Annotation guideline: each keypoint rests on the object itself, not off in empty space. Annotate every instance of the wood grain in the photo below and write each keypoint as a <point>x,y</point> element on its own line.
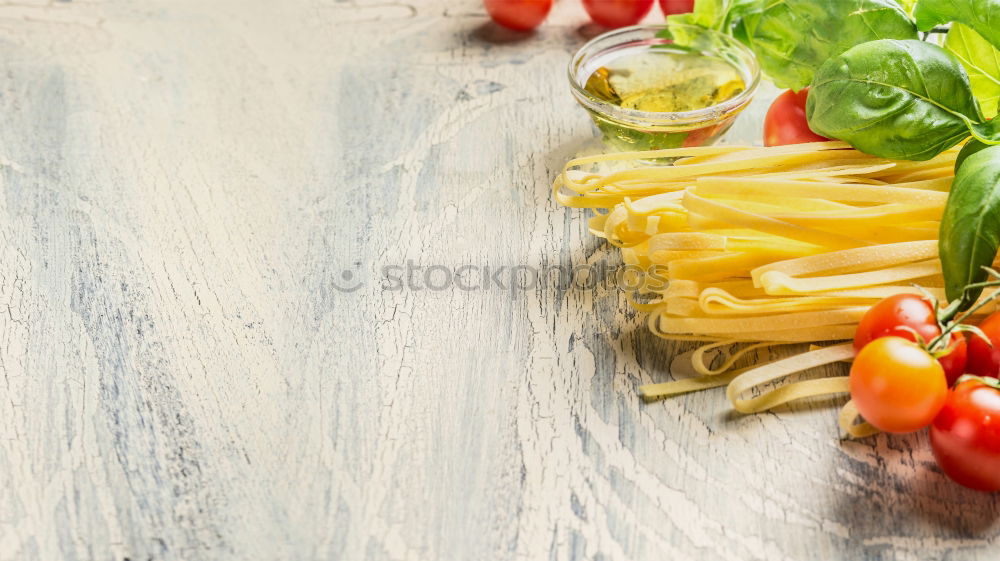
<point>188,188</point>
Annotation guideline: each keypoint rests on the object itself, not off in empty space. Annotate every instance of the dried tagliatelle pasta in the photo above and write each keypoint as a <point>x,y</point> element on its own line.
<point>746,248</point>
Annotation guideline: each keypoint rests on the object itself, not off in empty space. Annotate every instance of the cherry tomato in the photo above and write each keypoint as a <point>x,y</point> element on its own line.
<point>984,360</point>
<point>519,15</point>
<point>955,357</point>
<point>965,435</point>
<point>785,122</point>
<point>671,7</point>
<point>896,385</point>
<point>617,13</point>
<point>899,316</point>
<point>700,137</point>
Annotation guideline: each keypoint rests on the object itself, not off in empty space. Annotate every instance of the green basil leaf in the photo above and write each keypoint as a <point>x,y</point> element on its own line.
<point>970,227</point>
<point>740,31</point>
<point>792,38</point>
<point>907,100</point>
<point>971,147</point>
<point>981,60</point>
<point>981,15</point>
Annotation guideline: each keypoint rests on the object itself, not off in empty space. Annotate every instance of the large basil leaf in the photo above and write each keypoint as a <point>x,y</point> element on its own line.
<point>906,100</point>
<point>981,60</point>
<point>792,38</point>
<point>981,15</point>
<point>970,227</point>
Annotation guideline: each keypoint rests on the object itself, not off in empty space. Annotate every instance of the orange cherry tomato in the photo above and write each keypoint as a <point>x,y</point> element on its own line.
<point>896,385</point>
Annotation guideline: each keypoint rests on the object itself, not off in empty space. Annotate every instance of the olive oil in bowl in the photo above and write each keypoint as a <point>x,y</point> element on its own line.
<point>665,81</point>
<point>646,93</point>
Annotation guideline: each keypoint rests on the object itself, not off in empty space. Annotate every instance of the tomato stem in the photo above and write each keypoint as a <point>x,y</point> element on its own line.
<point>946,315</point>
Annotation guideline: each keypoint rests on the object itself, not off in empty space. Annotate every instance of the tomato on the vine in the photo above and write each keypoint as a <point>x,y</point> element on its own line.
<point>617,13</point>
<point>954,358</point>
<point>671,7</point>
<point>785,122</point>
<point>984,358</point>
<point>896,385</point>
<point>519,15</point>
<point>902,315</point>
<point>907,316</point>
<point>965,436</point>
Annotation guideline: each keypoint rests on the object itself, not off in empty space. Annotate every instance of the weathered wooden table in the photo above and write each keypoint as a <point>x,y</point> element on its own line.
<point>256,302</point>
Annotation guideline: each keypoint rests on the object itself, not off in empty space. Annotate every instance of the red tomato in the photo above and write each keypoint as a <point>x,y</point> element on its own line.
<point>617,13</point>
<point>699,137</point>
<point>896,385</point>
<point>519,15</point>
<point>965,435</point>
<point>984,360</point>
<point>899,316</point>
<point>785,122</point>
<point>955,360</point>
<point>671,7</point>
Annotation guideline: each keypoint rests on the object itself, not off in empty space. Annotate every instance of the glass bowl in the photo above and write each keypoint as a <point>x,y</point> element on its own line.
<point>631,129</point>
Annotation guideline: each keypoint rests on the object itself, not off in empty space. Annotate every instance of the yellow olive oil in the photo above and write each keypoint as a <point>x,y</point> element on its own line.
<point>663,80</point>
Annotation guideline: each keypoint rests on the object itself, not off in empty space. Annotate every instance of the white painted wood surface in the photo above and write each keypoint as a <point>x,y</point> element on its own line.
<point>186,184</point>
